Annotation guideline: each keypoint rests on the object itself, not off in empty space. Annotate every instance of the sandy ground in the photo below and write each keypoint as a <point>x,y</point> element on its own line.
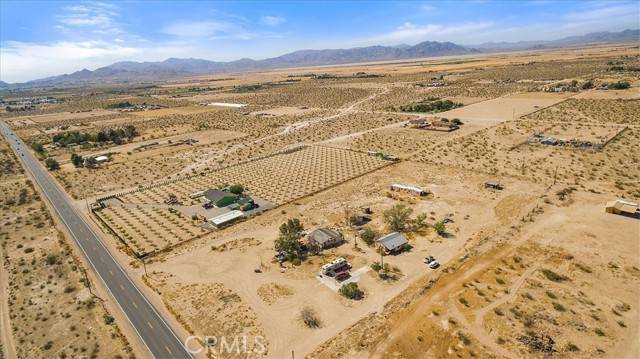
<point>505,108</point>
<point>234,268</point>
<point>559,231</point>
<point>8,344</point>
<point>497,246</point>
<point>609,94</point>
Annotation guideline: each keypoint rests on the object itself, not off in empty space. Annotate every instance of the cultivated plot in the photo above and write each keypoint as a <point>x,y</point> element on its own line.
<point>278,179</point>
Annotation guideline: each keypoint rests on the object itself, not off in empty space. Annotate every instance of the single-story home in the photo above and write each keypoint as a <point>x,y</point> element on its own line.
<point>225,218</point>
<point>392,242</point>
<point>417,191</point>
<point>220,198</point>
<point>622,207</point>
<point>324,238</point>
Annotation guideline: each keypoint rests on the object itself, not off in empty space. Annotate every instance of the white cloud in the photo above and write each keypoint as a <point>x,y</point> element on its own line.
<point>427,8</point>
<point>22,61</point>
<point>96,17</point>
<point>207,29</point>
<point>412,33</point>
<point>272,20</point>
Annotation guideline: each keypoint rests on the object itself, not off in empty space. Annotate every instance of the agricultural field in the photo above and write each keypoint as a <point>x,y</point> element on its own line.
<point>512,206</point>
<point>278,179</point>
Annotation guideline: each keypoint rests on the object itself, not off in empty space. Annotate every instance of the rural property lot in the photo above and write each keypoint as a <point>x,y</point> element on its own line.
<point>278,179</point>
<point>504,108</point>
<point>531,264</point>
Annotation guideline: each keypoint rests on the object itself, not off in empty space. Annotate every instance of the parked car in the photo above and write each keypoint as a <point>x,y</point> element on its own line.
<point>434,265</point>
<point>341,276</point>
<point>428,259</point>
<point>280,257</point>
<point>207,205</point>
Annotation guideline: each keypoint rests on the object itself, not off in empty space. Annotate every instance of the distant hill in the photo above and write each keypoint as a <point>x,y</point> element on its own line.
<point>594,37</point>
<point>143,72</point>
<point>137,72</point>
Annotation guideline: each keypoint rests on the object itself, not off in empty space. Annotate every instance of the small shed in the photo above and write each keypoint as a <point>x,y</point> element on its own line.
<point>324,238</point>
<point>622,207</point>
<point>225,218</point>
<point>102,158</point>
<point>392,242</point>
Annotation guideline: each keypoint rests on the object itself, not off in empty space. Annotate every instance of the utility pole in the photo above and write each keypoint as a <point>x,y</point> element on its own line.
<point>555,173</point>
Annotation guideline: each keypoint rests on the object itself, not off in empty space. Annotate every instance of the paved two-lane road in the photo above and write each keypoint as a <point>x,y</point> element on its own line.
<point>152,329</point>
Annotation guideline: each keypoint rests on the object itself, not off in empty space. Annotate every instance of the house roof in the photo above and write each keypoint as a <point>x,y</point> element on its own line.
<point>226,217</point>
<point>392,241</point>
<point>214,195</point>
<point>623,206</point>
<point>324,235</point>
<point>409,188</point>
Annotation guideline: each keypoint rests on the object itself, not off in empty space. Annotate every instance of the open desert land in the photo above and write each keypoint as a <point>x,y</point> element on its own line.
<point>47,310</point>
<point>527,270</point>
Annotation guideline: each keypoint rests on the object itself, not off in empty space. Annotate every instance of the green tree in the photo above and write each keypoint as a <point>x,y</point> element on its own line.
<point>236,189</point>
<point>587,85</point>
<point>420,221</point>
<point>77,160</point>
<point>288,241</point>
<point>440,228</point>
<point>397,217</point>
<point>38,148</point>
<point>51,164</point>
<point>368,235</point>
<point>90,162</point>
<point>351,291</point>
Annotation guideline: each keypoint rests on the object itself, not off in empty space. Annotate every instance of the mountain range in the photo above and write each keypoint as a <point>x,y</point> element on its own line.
<point>145,72</point>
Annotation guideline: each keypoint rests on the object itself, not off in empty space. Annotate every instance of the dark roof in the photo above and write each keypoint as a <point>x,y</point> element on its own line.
<point>392,241</point>
<point>214,195</point>
<point>323,236</point>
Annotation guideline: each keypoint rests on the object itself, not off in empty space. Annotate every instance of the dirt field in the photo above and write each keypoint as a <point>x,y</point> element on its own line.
<point>277,297</point>
<point>49,309</point>
<point>535,286</point>
<point>526,271</point>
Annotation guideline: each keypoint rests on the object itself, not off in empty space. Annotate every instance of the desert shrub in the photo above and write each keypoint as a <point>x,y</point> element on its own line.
<point>310,317</point>
<point>559,307</point>
<point>553,276</point>
<point>51,164</point>
<point>584,268</point>
<point>51,259</point>
<point>572,347</point>
<point>351,291</point>
<point>440,228</point>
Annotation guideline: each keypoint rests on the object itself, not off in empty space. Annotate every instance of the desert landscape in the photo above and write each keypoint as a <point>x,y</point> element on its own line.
<point>477,206</point>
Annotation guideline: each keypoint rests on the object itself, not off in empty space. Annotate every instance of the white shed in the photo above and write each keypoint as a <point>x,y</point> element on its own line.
<point>225,218</point>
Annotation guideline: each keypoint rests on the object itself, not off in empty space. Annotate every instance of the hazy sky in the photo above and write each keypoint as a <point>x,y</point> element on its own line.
<point>40,39</point>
